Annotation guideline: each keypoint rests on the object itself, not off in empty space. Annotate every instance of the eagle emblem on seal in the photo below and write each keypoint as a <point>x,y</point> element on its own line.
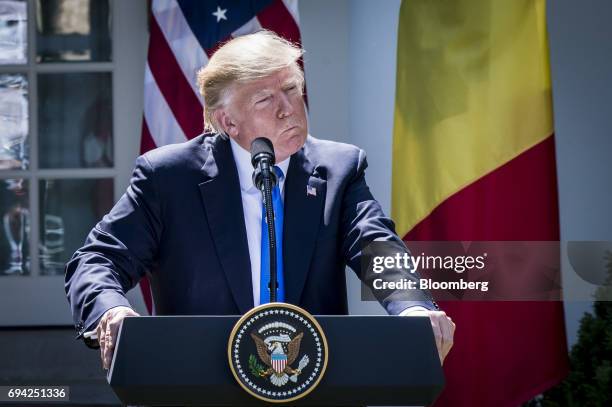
<point>278,353</point>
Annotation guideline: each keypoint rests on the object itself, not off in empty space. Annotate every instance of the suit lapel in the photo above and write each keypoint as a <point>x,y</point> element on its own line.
<point>303,204</point>
<point>223,205</point>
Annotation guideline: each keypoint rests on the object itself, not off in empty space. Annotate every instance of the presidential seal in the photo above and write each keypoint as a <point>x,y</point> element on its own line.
<point>277,352</point>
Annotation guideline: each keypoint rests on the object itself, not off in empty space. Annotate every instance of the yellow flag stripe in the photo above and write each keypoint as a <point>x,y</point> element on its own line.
<point>473,92</point>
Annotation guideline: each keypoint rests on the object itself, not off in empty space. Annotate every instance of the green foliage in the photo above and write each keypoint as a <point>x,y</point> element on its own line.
<point>255,367</point>
<point>589,383</point>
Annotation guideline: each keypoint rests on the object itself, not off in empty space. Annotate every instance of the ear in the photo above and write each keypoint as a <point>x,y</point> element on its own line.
<point>225,121</point>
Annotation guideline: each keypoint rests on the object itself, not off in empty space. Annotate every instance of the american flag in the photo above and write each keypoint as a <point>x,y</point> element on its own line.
<point>311,191</point>
<point>183,36</point>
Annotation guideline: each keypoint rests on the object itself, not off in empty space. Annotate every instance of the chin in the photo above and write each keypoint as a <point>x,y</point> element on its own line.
<point>297,142</point>
<point>290,144</point>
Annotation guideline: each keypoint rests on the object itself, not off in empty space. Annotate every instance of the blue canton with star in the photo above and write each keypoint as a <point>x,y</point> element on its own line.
<point>214,21</point>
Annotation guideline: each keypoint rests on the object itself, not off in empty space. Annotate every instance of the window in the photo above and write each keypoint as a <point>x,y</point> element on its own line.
<point>59,172</point>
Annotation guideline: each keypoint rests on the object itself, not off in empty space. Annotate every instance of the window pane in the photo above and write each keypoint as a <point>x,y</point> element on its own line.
<point>75,120</point>
<point>13,121</point>
<point>73,30</point>
<point>15,227</point>
<point>13,31</point>
<point>69,209</point>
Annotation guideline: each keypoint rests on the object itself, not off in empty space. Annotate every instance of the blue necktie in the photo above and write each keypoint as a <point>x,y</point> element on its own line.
<point>264,290</point>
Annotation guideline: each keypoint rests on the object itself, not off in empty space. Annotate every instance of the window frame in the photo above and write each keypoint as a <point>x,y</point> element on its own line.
<point>36,299</point>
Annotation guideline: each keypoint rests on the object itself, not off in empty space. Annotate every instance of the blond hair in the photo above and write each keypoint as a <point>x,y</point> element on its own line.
<point>240,60</point>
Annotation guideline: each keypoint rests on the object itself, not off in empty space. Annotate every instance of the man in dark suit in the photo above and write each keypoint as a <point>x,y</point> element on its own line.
<point>191,216</point>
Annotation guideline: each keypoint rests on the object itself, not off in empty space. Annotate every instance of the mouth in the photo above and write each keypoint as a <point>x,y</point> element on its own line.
<point>289,128</point>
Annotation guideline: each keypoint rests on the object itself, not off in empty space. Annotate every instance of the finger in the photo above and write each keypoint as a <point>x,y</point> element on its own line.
<point>447,327</point>
<point>112,333</point>
<point>132,313</point>
<point>114,330</point>
<point>103,348</point>
<point>101,328</point>
<point>437,335</point>
<point>107,350</point>
<point>440,325</point>
<point>447,334</point>
<point>102,354</point>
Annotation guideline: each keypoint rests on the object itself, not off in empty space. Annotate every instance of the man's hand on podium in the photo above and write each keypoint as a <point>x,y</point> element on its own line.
<point>443,329</point>
<point>107,331</point>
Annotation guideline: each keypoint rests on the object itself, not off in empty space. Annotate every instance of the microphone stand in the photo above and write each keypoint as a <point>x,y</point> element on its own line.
<point>268,182</point>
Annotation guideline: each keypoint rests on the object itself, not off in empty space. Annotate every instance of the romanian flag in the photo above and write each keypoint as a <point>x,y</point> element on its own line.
<point>474,159</point>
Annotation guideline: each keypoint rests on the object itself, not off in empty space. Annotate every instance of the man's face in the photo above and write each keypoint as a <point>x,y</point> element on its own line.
<point>270,107</point>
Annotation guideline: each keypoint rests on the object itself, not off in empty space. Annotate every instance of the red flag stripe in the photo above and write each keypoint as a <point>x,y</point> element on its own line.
<point>146,141</point>
<point>277,18</point>
<point>172,83</point>
<point>517,201</point>
<point>293,9</point>
<point>184,45</point>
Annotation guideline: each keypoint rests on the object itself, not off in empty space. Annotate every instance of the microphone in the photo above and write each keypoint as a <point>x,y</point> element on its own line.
<point>262,158</point>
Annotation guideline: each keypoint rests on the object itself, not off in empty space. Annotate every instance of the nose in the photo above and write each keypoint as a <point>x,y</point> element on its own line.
<point>285,108</point>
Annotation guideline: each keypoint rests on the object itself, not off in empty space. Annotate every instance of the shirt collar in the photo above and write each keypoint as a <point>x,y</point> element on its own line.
<point>245,169</point>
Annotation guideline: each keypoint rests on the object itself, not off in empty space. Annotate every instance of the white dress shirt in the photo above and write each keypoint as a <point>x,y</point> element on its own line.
<point>252,208</point>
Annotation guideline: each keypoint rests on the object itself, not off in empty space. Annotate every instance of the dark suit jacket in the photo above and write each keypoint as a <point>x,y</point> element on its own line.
<point>181,219</point>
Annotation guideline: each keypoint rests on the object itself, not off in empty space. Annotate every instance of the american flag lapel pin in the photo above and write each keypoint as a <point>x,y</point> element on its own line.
<point>311,191</point>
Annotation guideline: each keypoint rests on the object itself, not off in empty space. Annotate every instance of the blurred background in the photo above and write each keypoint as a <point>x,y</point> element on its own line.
<point>72,76</point>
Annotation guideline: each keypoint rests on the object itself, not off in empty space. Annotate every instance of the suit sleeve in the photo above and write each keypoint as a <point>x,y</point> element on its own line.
<point>117,252</point>
<point>363,222</point>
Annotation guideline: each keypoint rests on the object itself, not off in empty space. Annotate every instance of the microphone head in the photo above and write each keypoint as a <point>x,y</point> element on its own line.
<point>262,147</point>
